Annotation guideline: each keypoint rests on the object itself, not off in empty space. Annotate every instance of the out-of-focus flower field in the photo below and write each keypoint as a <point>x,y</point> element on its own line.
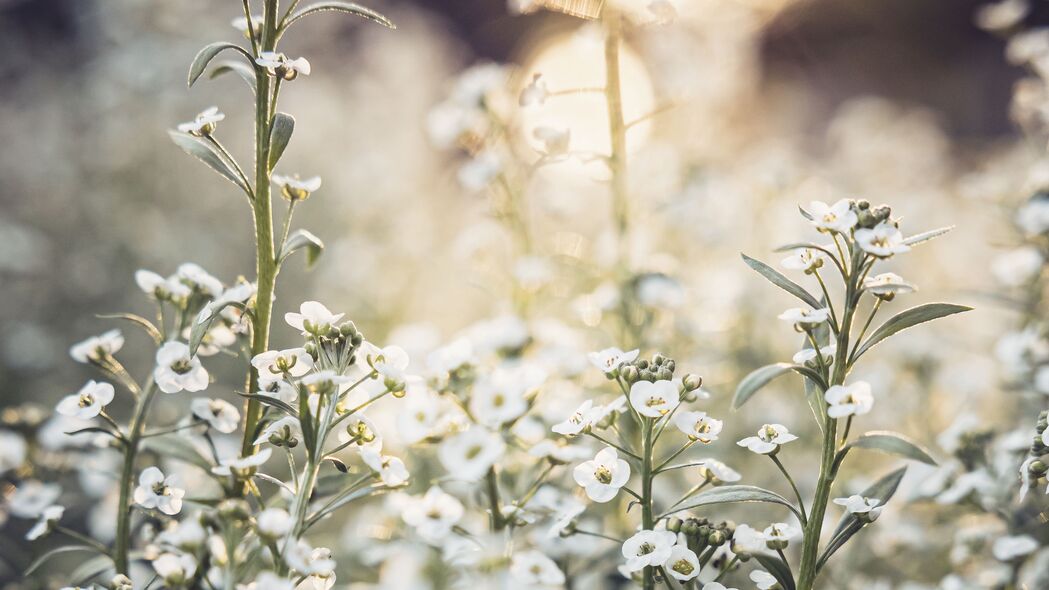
<point>491,216</point>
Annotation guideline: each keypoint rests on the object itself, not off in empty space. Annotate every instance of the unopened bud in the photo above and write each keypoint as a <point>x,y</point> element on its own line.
<point>121,582</point>
<point>716,538</point>
<point>234,509</point>
<point>692,382</point>
<point>674,525</point>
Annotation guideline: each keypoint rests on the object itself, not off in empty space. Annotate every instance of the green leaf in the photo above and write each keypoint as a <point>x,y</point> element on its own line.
<point>906,319</point>
<point>208,53</point>
<point>280,135</point>
<point>335,6</point>
<point>302,239</point>
<point>339,501</point>
<point>736,493</point>
<point>776,278</point>
<point>177,448</point>
<point>39,561</point>
<point>271,401</point>
<point>893,443</point>
<point>244,71</point>
<point>203,321</point>
<point>92,568</point>
<point>759,378</point>
<point>849,525</point>
<point>138,320</point>
<point>778,568</point>
<point>926,236</point>
<point>199,149</point>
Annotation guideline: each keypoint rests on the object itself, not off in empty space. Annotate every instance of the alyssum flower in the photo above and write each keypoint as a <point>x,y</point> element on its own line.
<point>603,475</point>
<point>88,402</point>
<point>849,400</point>
<point>768,439</point>
<point>97,348</point>
<point>204,124</point>
<point>157,491</point>
<point>281,66</point>
<point>654,399</point>
<point>176,370</point>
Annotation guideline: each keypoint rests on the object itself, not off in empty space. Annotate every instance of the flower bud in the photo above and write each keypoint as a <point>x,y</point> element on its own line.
<point>690,527</point>
<point>717,539</point>
<point>658,359</point>
<point>691,382</point>
<point>674,525</point>
<point>234,509</point>
<point>121,582</point>
<point>630,374</point>
<point>1037,468</point>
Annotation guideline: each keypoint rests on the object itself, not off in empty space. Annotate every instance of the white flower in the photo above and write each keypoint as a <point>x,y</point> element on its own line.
<point>780,532</point>
<point>555,141</point>
<point>768,440</point>
<point>887,285</point>
<point>682,565</point>
<point>535,93</point>
<point>654,399</point>
<point>283,430</point>
<point>96,348</point>
<point>603,475</point>
<point>748,540</point>
<point>805,259</point>
<point>278,64</point>
<point>715,470</point>
<point>176,370</point>
<point>860,506</point>
<point>716,586</point>
<point>807,355</point>
<point>156,491</point>
<point>849,400</point>
<point>175,569</point>
<point>268,581</point>
<point>1009,548</point>
<point>479,171</point>
<point>295,189</point>
<point>763,579</point>
<point>391,362</point>
<point>609,359</point>
<point>274,523</point>
<point>580,420</point>
<point>1002,15</point>
<point>390,469</point>
<point>648,548</point>
<point>1033,217</point>
<point>48,519</point>
<point>805,317</point>
<point>838,217</point>
<point>88,402</point>
<point>362,432</point>
<point>273,364</point>
<point>242,466</point>
<point>470,454</point>
<point>883,241</point>
<point>194,276</point>
<point>1018,267</point>
<point>698,426</point>
<point>324,381</point>
<point>32,497</point>
<point>434,514</point>
<point>313,318</point>
<point>532,568</point>
<point>502,396</point>
<point>13,450</point>
<point>309,561</point>
<point>219,414</point>
<point>241,23</point>
<point>204,123</point>
<point>160,288</point>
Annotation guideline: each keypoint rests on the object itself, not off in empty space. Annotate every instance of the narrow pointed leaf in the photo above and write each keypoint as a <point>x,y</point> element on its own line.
<point>759,378</point>
<point>777,278</point>
<point>849,525</point>
<point>907,319</point>
<point>91,569</point>
<point>268,400</point>
<point>139,321</point>
<point>280,135</point>
<point>203,321</point>
<point>303,240</point>
<point>177,448</point>
<point>926,236</point>
<point>893,443</point>
<point>736,493</point>
<point>242,70</point>
<point>336,6</point>
<point>778,569</point>
<point>208,53</point>
<point>200,150</point>
<point>39,561</point>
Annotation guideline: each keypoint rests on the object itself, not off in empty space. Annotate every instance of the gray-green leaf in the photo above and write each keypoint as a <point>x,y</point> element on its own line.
<point>736,493</point>
<point>139,321</point>
<point>336,6</point>
<point>894,443</point>
<point>244,71</point>
<point>926,236</point>
<point>759,378</point>
<point>280,135</point>
<point>906,319</point>
<point>39,561</point>
<point>883,490</point>
<point>199,149</point>
<point>208,53</point>
<point>778,568</point>
<point>202,322</point>
<point>177,448</point>
<point>777,278</point>
<point>302,239</point>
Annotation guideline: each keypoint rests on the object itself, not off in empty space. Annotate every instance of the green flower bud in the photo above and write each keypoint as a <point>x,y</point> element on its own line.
<point>674,525</point>
<point>121,582</point>
<point>692,382</point>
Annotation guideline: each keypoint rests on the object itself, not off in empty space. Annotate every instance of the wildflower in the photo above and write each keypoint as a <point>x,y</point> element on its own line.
<point>13,450</point>
<point>160,288</point>
<point>866,509</point>
<point>768,440</point>
<point>718,472</point>
<point>1002,15</point>
<point>198,279</point>
<point>47,521</point>
<point>764,580</point>
<point>295,362</point>
<point>535,93</point>
<point>555,141</point>
<point>278,64</point>
<point>1009,548</point>
<point>779,534</point>
<point>88,402</point>
<point>882,241</point>
<point>503,396</point>
<point>240,23</point>
<point>805,259</point>
<point>887,285</point>
<point>434,514</point>
<point>361,431</point>
<point>294,189</point>
<point>849,400</point>
<point>204,124</point>
<point>580,420</point>
<point>698,426</point>
<point>803,318</point>
<point>839,217</point>
<point>610,359</point>
<point>219,414</point>
<point>97,348</point>
<point>482,169</point>
<point>159,492</point>
<point>532,568</point>
<point>31,498</point>
<point>808,355</point>
<point>268,581</point>
<point>313,318</point>
<point>682,565</point>
<point>470,454</point>
<point>1018,267</point>
<point>242,467</point>
<point>176,370</point>
<point>187,535</point>
<point>390,469</point>
<point>176,569</point>
<point>654,399</point>
<point>283,432</point>
<point>746,539</point>
<point>390,363</point>
<point>648,548</point>
<point>602,476</point>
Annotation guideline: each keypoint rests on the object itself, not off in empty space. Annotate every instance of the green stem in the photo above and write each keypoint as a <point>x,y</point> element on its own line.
<point>617,130</point>
<point>793,486</point>
<point>648,522</point>
<point>127,479</point>
<point>492,481</point>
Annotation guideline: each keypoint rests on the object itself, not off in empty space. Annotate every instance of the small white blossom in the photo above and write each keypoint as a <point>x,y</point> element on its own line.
<point>555,141</point>
<point>313,318</point>
<point>242,466</point>
<point>278,64</point>
<point>558,453</point>
<point>390,469</point>
<point>838,217</point>
<point>764,580</point>
<point>682,565</point>
<point>88,402</point>
<point>31,498</point>
<point>698,426</point>
<point>196,278</point>
<point>580,420</point>
<point>219,414</point>
<point>96,348</point>
<point>159,492</point>
<point>805,259</point>
<point>807,355</point>
<point>274,523</point>
<point>715,470</point>
<point>609,359</point>
<point>768,439</point>
<point>284,429</point>
<point>535,93</point>
<point>503,395</point>
<point>309,561</point>
<point>470,454</point>
<point>888,285</point>
<point>648,548</point>
<point>434,514</point>
<point>532,569</point>
<point>746,539</point>
<point>48,519</point>
<point>1002,15</point>
<point>204,123</point>
<point>780,532</point>
<point>805,317</point>
<point>1011,547</point>
<point>294,188</point>
<point>654,399</point>
<point>860,505</point>
<point>883,241</point>
<point>175,569</point>
<point>161,288</point>
<point>176,370</point>
<point>849,400</point>
<point>602,476</point>
<point>273,364</point>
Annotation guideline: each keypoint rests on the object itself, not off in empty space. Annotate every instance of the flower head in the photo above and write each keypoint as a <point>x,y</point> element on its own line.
<point>157,491</point>
<point>648,548</point>
<point>603,475</point>
<point>281,66</point>
<point>313,318</point>
<point>764,580</point>
<point>88,402</point>
<point>609,359</point>
<point>805,259</point>
<point>883,240</point>
<point>176,569</point>
<point>654,399</point>
<point>219,414</point>
<point>808,355</point>
<point>176,370</point>
<point>160,288</point>
<point>849,400</point>
<point>46,522</point>
<point>204,124</point>
<point>273,364</point>
<point>698,426</point>
<point>682,565</point>
<point>768,439</point>
<point>390,470</point>
<point>887,286</point>
<point>434,514</point>
<point>532,568</point>
<point>96,348</point>
<point>274,523</point>
<point>838,217</point>
<point>469,454</point>
<point>866,509</point>
<point>294,189</point>
<point>805,317</point>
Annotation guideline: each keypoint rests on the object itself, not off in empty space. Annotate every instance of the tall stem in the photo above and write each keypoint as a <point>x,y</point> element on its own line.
<point>265,260</point>
<point>127,479</point>
<point>617,132</point>
<point>647,520</point>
